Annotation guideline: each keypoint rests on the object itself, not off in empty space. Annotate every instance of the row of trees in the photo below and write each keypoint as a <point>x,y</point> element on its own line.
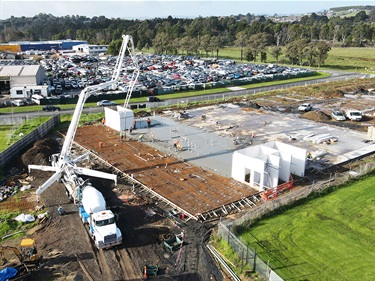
<point>204,36</point>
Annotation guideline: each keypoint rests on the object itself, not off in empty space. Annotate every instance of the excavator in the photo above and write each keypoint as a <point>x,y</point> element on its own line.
<point>27,255</point>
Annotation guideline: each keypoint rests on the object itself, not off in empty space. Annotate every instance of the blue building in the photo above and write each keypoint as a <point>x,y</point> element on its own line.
<point>48,45</point>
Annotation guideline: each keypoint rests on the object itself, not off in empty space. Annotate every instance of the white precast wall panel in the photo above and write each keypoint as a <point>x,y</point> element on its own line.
<point>285,163</point>
<point>112,118</point>
<point>272,169</point>
<point>126,117</point>
<point>298,158</point>
<point>238,166</point>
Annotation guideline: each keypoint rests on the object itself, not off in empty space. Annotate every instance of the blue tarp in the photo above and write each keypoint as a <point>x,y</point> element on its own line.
<point>7,273</point>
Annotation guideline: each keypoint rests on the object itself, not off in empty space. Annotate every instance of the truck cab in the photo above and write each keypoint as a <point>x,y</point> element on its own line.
<point>354,115</point>
<point>105,230</point>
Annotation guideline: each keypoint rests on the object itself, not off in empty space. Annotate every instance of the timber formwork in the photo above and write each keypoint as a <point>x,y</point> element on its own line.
<point>198,193</point>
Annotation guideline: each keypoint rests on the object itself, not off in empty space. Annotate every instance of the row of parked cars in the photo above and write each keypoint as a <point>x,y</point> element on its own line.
<point>337,114</point>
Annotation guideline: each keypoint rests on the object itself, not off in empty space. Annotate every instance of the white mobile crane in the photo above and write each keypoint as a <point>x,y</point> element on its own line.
<point>66,169</point>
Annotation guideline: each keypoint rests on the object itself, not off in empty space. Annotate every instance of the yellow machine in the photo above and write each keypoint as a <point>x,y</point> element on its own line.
<point>28,253</point>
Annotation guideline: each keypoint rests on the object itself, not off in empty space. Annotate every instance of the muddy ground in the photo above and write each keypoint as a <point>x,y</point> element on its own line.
<point>69,253</point>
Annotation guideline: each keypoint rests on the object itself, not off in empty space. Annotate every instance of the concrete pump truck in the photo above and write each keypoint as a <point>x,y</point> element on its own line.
<point>91,203</point>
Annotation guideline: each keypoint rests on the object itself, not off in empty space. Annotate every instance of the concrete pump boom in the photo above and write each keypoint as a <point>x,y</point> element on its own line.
<point>62,164</point>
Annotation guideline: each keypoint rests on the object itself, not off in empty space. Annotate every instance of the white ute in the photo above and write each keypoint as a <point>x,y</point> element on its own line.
<point>354,115</point>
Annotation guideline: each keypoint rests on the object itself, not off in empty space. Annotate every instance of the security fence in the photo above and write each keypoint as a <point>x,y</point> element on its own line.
<point>247,254</point>
<point>20,145</point>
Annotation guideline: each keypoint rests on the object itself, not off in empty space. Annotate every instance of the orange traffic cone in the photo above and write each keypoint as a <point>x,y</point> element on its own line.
<point>145,272</point>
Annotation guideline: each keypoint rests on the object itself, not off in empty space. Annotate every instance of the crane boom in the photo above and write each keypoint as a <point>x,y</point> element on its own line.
<point>62,164</point>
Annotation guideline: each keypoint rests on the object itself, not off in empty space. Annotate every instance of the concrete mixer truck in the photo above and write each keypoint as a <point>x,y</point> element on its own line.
<point>101,222</point>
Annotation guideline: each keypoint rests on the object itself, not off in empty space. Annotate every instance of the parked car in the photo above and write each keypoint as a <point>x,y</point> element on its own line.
<point>105,103</point>
<point>153,99</point>
<point>51,108</point>
<point>305,107</point>
<point>354,115</point>
<point>338,115</point>
<point>18,102</point>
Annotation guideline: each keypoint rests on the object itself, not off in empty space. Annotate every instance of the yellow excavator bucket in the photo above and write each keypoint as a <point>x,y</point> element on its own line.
<point>27,242</point>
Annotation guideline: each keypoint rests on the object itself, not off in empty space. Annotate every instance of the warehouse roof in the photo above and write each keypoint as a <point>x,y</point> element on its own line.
<point>19,70</point>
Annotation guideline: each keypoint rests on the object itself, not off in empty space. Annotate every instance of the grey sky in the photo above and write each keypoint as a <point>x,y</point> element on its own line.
<point>140,9</point>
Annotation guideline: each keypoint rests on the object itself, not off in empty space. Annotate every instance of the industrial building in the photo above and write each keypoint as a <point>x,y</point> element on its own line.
<point>21,76</point>
<point>23,46</point>
<point>90,49</point>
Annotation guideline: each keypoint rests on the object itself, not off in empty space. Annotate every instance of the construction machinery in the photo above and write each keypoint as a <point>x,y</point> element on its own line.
<point>28,253</point>
<point>28,257</point>
<point>65,168</point>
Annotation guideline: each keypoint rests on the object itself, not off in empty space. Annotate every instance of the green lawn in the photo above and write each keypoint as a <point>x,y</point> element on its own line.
<point>4,131</point>
<point>328,238</point>
<point>347,59</point>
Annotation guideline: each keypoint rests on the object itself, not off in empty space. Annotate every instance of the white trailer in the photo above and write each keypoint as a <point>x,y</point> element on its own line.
<point>26,92</point>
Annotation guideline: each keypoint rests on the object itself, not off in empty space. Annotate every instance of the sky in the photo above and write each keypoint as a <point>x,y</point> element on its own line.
<point>147,9</point>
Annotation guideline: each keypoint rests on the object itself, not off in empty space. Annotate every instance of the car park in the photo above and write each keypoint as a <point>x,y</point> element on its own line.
<point>305,107</point>
<point>105,103</point>
<point>338,115</point>
<point>51,108</point>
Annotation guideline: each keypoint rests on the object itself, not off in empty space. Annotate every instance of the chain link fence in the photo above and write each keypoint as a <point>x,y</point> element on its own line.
<point>247,254</point>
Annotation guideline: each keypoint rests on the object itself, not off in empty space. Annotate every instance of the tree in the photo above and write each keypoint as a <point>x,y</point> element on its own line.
<point>275,51</point>
<point>205,45</point>
<point>241,38</point>
<point>258,43</point>
<point>295,51</point>
<point>263,57</point>
<point>322,50</point>
<point>310,53</point>
<point>160,42</point>
<point>114,47</point>
<point>216,44</point>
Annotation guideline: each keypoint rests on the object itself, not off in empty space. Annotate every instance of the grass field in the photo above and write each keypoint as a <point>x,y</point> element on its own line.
<point>328,238</point>
<point>348,59</point>
<point>4,131</point>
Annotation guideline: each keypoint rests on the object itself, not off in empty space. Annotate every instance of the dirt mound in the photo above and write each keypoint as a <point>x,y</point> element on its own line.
<point>41,151</point>
<point>318,116</point>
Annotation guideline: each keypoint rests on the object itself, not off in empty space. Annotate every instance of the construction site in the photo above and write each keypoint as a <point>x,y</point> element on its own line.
<point>133,197</point>
<point>174,183</point>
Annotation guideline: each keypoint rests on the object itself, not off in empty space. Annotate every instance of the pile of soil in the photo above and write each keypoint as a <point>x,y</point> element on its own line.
<point>318,116</point>
<point>40,152</point>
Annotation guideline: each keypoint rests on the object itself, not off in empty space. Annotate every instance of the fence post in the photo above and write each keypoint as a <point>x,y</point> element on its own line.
<point>255,261</point>
<point>242,258</point>
<point>228,235</point>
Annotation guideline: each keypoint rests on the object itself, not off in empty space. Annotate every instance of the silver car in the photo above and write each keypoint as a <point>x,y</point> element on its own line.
<point>338,115</point>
